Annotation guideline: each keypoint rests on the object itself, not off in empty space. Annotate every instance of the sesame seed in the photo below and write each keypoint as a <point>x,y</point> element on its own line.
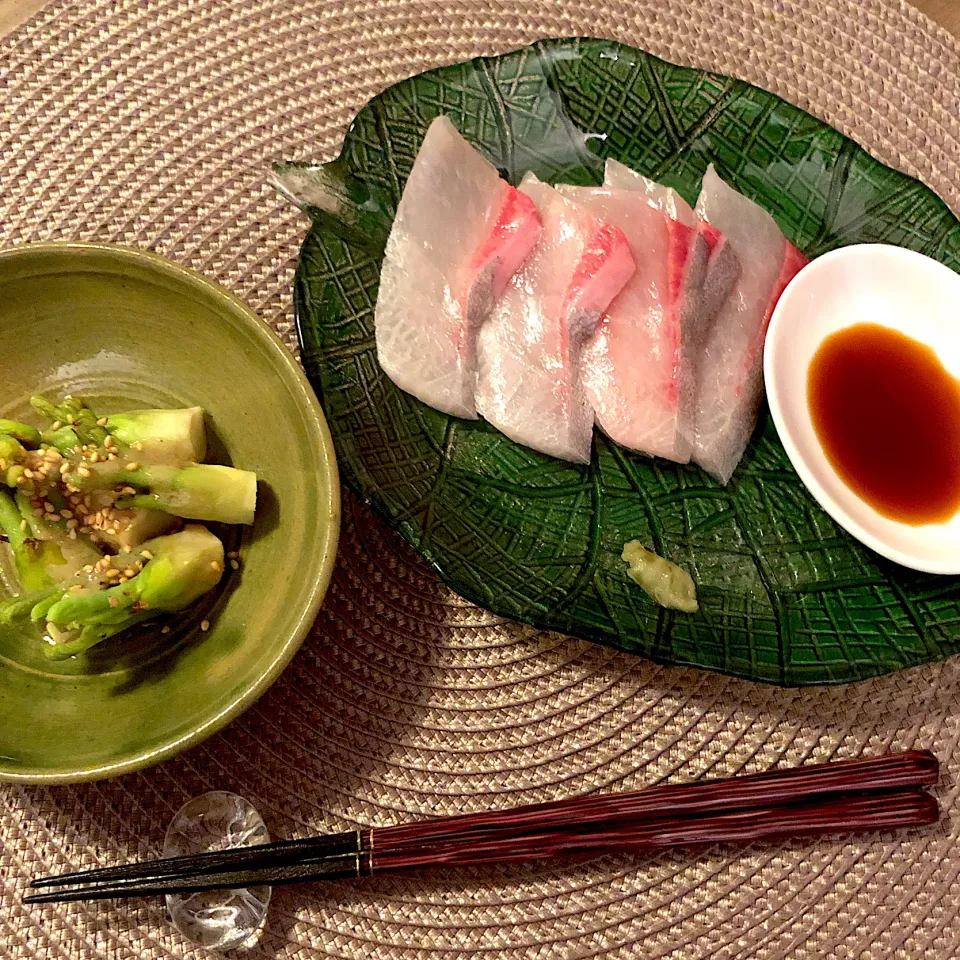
<point>216,565</point>
<point>102,422</point>
<point>71,524</point>
<point>133,466</point>
<point>66,514</point>
<point>114,602</point>
<point>84,471</point>
<point>113,455</point>
<point>129,572</point>
<point>108,440</point>
<point>23,524</point>
<point>64,468</point>
<point>232,554</point>
<point>49,507</point>
<point>205,626</point>
<point>129,491</point>
<point>165,630</point>
<point>138,445</point>
<point>72,534</point>
<point>234,564</point>
<point>124,579</point>
<point>146,554</point>
<point>57,424</point>
<point>28,473</point>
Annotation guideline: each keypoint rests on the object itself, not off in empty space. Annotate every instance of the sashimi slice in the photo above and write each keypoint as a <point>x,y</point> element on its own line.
<point>621,177</point>
<point>459,234</point>
<point>729,375</point>
<point>529,350</point>
<point>723,268</point>
<point>723,272</point>
<point>635,369</point>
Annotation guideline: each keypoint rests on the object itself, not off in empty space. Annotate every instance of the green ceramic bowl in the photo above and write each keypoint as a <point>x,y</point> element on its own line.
<point>128,329</point>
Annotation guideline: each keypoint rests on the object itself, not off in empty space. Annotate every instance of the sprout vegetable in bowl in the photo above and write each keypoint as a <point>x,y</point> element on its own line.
<point>223,381</point>
<point>82,508</point>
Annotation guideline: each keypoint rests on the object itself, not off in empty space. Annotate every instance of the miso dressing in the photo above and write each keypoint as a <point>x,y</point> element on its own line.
<point>887,413</point>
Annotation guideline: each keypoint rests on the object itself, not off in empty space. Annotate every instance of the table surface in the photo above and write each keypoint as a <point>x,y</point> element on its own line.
<point>944,12</point>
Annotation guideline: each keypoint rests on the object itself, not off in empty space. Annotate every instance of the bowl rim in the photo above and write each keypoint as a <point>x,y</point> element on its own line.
<point>322,442</point>
<point>800,461</point>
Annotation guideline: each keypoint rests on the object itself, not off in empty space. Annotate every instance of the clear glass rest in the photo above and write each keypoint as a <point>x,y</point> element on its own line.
<point>218,919</point>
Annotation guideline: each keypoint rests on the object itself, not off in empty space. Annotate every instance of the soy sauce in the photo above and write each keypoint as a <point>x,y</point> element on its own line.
<point>887,413</point>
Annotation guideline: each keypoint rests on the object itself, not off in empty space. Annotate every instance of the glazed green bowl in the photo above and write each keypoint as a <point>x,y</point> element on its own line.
<point>123,329</point>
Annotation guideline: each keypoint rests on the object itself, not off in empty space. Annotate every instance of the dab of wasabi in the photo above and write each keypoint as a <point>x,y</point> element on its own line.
<point>665,582</point>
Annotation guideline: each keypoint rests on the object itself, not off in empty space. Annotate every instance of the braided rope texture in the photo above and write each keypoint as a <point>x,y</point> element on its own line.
<point>152,123</point>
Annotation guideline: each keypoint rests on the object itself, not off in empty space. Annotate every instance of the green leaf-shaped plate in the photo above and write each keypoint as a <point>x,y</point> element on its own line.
<point>786,596</point>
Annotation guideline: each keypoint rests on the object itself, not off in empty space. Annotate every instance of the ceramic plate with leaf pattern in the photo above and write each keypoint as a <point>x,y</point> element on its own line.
<point>786,596</point>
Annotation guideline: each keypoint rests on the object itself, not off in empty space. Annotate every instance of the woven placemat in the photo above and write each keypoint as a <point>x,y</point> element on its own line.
<point>153,123</point>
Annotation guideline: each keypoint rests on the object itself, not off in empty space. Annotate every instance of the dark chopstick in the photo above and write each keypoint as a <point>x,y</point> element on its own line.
<point>866,812</point>
<point>281,851</point>
<point>908,768</point>
<point>357,852</point>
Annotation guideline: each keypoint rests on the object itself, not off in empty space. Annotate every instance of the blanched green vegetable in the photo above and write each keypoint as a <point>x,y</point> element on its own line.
<point>121,482</point>
<point>181,568</point>
<point>74,413</point>
<point>162,436</point>
<point>32,557</point>
<point>77,551</point>
<point>44,553</point>
<point>27,435</point>
<point>135,527</point>
<point>197,491</point>
<point>669,585</point>
<point>11,450</point>
<point>64,439</point>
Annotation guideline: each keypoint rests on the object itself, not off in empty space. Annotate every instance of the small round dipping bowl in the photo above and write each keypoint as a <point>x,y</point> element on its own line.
<point>866,283</point>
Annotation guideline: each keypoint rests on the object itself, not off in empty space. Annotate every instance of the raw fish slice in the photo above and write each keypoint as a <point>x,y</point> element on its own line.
<point>634,370</point>
<point>621,177</point>
<point>729,374</point>
<point>459,234</point>
<point>529,350</point>
<point>723,269</point>
<point>515,231</point>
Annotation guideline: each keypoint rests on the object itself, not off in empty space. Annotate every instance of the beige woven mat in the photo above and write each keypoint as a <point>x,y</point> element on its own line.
<point>153,123</point>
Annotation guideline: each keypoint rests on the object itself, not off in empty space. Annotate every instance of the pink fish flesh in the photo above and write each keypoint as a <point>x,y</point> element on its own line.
<point>528,385</point>
<point>723,268</point>
<point>635,370</point>
<point>459,235</point>
<point>729,370</point>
